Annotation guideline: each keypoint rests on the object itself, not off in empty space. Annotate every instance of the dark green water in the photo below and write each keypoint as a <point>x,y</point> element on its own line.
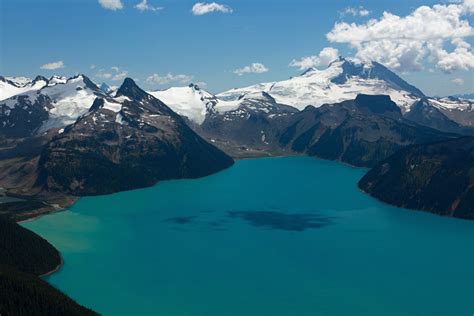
<point>283,236</point>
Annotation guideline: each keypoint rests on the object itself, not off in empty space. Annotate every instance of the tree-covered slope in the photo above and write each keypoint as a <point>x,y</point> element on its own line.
<point>436,177</point>
<point>23,257</point>
<point>26,294</point>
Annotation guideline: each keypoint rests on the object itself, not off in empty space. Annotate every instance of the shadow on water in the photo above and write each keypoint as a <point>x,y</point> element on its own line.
<point>283,221</point>
<point>181,219</point>
<point>296,222</point>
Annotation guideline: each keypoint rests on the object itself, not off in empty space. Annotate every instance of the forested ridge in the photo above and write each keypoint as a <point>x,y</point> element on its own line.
<point>23,257</point>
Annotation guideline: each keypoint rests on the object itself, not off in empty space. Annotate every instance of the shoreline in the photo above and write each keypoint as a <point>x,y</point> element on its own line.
<point>35,217</point>
<point>56,269</point>
<point>50,208</point>
<point>405,208</point>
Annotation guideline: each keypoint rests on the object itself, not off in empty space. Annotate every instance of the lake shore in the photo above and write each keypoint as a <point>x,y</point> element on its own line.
<point>56,269</point>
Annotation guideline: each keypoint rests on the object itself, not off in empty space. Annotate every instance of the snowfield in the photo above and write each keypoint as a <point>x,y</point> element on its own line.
<point>13,86</point>
<point>193,102</point>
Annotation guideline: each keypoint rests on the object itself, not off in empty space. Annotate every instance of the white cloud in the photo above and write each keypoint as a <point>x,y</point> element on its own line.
<point>54,65</point>
<point>323,59</point>
<point>111,4</point>
<point>159,79</point>
<point>144,6</point>
<point>405,43</point>
<point>103,75</point>
<point>360,11</point>
<point>114,74</point>
<point>255,68</point>
<point>202,8</point>
<point>461,58</point>
<point>468,6</point>
<point>120,76</point>
<point>92,66</point>
<point>458,81</point>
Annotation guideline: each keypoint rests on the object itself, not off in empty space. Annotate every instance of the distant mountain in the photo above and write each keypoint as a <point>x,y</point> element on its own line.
<point>466,96</point>
<point>124,142</point>
<point>250,128</point>
<point>436,177</point>
<point>193,102</point>
<point>343,80</point>
<point>360,132</point>
<point>458,110</point>
<point>435,114</point>
<point>59,102</point>
<point>107,89</point>
<point>10,86</point>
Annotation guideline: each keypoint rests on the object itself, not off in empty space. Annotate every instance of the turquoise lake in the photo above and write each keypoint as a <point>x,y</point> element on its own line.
<point>279,236</point>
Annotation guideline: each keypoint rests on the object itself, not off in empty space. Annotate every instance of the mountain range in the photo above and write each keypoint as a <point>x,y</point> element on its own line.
<point>61,138</point>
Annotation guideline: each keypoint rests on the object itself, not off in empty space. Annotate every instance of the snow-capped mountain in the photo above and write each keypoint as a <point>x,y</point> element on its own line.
<point>124,142</point>
<point>452,103</point>
<point>59,102</point>
<point>54,80</point>
<point>10,86</point>
<point>252,123</point>
<point>343,80</point>
<point>107,89</point>
<point>193,102</point>
<point>465,96</point>
<point>198,105</point>
<point>455,109</point>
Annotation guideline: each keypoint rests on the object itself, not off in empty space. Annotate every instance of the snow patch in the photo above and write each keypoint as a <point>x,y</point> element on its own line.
<point>113,106</point>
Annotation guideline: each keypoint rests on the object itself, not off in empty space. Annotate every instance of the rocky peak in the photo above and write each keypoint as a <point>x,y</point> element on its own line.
<point>105,87</point>
<point>130,89</point>
<point>89,83</point>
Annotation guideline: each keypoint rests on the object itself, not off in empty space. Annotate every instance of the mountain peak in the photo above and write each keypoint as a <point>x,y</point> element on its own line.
<point>40,78</point>
<point>89,83</point>
<point>130,89</point>
<point>105,87</point>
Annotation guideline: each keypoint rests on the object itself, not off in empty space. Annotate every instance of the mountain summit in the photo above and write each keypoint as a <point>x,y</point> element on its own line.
<point>342,80</point>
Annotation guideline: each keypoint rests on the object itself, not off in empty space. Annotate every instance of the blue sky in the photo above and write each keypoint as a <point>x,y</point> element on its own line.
<point>178,46</point>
